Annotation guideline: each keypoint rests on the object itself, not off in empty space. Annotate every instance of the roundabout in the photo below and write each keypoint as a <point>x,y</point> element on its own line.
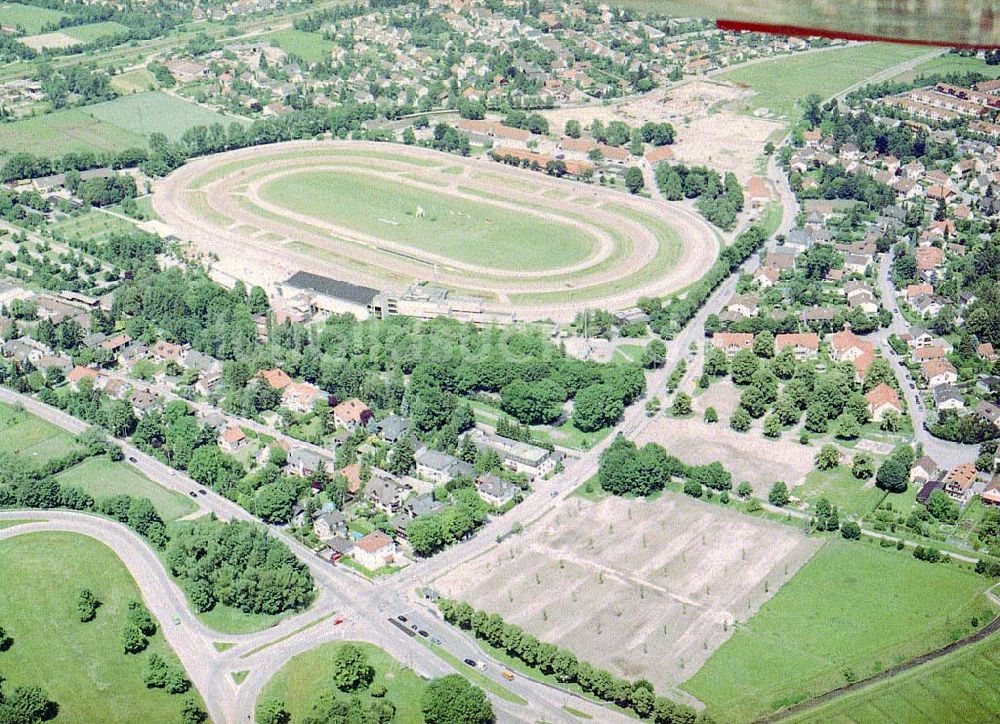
<point>386,215</point>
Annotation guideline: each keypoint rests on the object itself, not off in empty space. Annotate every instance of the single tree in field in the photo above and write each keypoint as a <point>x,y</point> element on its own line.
<point>682,405</point>
<point>828,458</point>
<point>86,605</point>
<point>633,179</point>
<point>892,476</point>
<point>778,495</point>
<point>453,700</point>
<point>351,670</point>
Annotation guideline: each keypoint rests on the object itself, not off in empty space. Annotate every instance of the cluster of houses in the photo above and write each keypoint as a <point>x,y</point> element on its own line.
<point>944,103</point>
<point>961,483</point>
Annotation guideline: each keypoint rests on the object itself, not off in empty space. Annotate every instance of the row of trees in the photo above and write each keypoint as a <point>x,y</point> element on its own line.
<point>719,199</point>
<point>626,469</point>
<point>639,696</point>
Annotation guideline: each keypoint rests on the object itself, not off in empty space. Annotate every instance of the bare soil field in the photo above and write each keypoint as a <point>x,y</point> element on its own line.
<point>748,456</point>
<point>644,589</point>
<point>50,40</point>
<point>707,133</point>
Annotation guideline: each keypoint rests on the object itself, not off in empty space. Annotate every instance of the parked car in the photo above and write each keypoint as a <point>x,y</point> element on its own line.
<point>423,633</point>
<point>414,627</point>
<point>202,491</point>
<point>132,460</point>
<point>471,662</point>
<point>509,675</point>
<point>401,618</point>
<point>193,494</point>
<point>435,640</point>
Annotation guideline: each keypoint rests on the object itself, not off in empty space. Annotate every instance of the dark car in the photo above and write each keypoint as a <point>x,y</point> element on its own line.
<point>423,633</point>
<point>414,627</point>
<point>193,494</point>
<point>471,662</point>
<point>401,618</point>
<point>132,460</point>
<point>202,491</point>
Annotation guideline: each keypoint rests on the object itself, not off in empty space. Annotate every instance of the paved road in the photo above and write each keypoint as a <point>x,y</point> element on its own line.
<point>946,454</point>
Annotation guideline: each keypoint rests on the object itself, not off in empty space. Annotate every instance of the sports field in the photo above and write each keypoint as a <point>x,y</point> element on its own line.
<point>782,82</point>
<point>80,665</point>
<point>102,478</point>
<point>961,687</point>
<point>384,215</point>
<point>29,18</point>
<point>853,610</point>
<point>301,681</point>
<point>311,47</point>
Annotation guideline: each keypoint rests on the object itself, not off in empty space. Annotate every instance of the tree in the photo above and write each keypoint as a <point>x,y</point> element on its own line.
<point>271,711</point>
<point>772,426</point>
<point>716,362</point>
<point>740,420</point>
<point>942,507</point>
<point>682,405</point>
<point>745,489</point>
<point>86,605</point>
<point>893,476</point>
<point>633,179</point>
<point>850,530</point>
<point>711,415</point>
<point>848,427</point>
<point>351,670</point>
<point>132,639</point>
<point>778,495</point>
<point>828,458</point>
<point>745,364</point>
<point>453,700</point>
<point>191,713</point>
<point>573,129</point>
<point>402,460</point>
<point>863,466</point>
<point>596,407</point>
<point>763,345</point>
<point>425,534</point>
<point>654,355</point>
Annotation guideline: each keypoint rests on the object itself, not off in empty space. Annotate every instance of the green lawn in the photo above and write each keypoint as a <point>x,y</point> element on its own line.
<point>102,478</point>
<point>134,81</point>
<point>94,31</point>
<point>28,18</point>
<point>783,81</point>
<point>841,489</point>
<point>852,608</point>
<point>156,112</point>
<point>66,131</point>
<point>311,47</point>
<point>30,437</point>
<point>960,687</point>
<point>299,682</point>
<point>950,63</point>
<point>80,665</point>
<point>466,230</point>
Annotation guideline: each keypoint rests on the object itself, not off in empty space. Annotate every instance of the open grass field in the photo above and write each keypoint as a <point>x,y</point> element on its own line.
<point>299,682</point>
<point>156,112</point>
<point>645,589</point>
<point>311,47</point>
<point>29,18</point>
<point>31,438</point>
<point>782,82</point>
<point>958,687</point>
<point>134,81</point>
<point>80,665</point>
<point>66,131</point>
<point>463,229</point>
<point>405,214</point>
<point>853,608</point>
<point>94,31</point>
<point>91,225</point>
<point>841,489</point>
<point>102,478</point>
<point>950,63</point>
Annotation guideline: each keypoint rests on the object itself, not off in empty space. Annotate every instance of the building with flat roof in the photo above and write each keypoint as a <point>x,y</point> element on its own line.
<point>425,301</point>
<point>328,296</point>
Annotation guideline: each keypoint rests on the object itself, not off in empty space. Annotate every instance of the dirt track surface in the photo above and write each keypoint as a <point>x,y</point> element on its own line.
<point>261,243</point>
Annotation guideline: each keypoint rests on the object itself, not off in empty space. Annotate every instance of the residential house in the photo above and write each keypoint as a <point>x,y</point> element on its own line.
<point>845,346</point>
<point>959,481</point>
<point>330,524</point>
<point>923,469</point>
<point>803,344</point>
<point>143,401</point>
<point>393,428</point>
<point>304,462</point>
<point>417,505</point>
<point>732,342</point>
<point>375,550</point>
<point>78,374</point>
<point>989,412</point>
<point>939,372</point>
<point>352,474</point>
<point>494,490</point>
<point>948,397</point>
<point>881,400</point>
<point>352,413</point>
<point>276,378</point>
<point>439,467</point>
<point>301,397</point>
<point>385,491</point>
<point>232,439</point>
<point>521,457</point>
<point>743,305</point>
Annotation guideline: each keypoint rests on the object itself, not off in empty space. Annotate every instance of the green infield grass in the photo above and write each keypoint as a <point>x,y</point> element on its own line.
<point>462,229</point>
<point>851,611</point>
<point>102,478</point>
<point>303,679</point>
<point>81,666</point>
